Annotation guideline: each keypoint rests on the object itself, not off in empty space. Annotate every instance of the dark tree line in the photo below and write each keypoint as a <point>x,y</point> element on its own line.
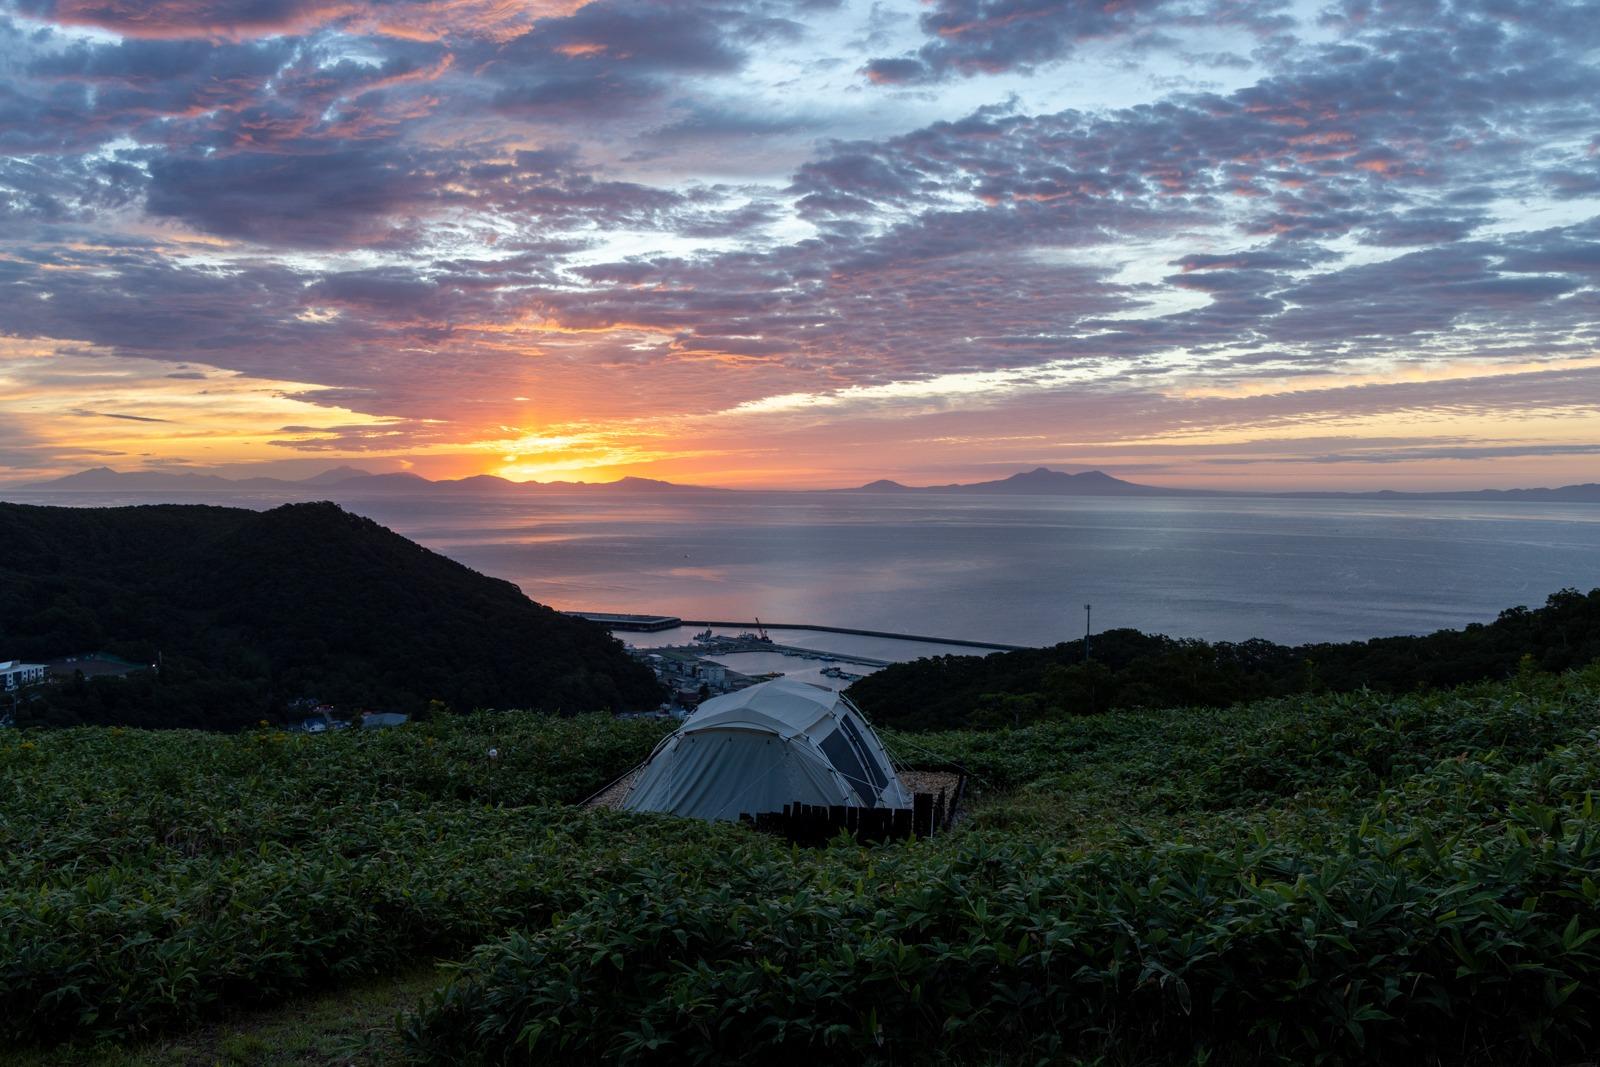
<point>248,611</point>
<point>1133,669</point>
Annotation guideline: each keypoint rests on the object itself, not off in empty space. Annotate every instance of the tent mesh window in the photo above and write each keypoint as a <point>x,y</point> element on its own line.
<point>879,777</point>
<point>842,754</point>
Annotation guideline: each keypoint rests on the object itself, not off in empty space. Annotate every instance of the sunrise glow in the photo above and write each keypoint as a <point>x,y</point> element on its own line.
<point>803,244</point>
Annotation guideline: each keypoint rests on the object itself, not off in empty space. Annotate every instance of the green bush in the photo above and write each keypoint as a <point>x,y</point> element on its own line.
<point>1309,879</point>
<point>1395,941</point>
<point>1430,894</point>
<point>149,878</point>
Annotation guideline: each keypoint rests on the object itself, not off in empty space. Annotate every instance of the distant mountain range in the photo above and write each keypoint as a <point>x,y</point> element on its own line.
<point>344,479</point>
<point>1041,481</point>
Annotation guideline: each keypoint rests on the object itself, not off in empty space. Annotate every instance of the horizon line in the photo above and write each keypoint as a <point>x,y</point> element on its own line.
<point>35,486</point>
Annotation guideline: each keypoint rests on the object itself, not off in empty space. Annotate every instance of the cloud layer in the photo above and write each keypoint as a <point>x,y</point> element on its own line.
<point>800,240</point>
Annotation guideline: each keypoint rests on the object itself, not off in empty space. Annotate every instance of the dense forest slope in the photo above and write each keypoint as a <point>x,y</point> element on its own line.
<point>250,610</point>
<point>1129,669</point>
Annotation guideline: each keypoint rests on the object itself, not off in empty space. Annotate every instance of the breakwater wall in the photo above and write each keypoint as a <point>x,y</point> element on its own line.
<point>641,623</point>
<point>959,642</point>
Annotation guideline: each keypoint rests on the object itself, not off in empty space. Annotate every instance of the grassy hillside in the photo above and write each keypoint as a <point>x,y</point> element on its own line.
<point>248,610</point>
<point>1360,877</point>
<point>1129,669</point>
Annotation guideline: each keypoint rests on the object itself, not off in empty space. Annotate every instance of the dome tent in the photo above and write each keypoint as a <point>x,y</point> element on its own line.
<point>760,748</point>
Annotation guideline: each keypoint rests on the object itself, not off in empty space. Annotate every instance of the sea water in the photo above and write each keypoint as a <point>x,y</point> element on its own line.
<point>1013,569</point>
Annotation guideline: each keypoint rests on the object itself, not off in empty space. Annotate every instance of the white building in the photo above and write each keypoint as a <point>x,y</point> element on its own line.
<point>14,674</point>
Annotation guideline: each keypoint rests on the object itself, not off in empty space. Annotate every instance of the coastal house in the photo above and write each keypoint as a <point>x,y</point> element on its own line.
<point>318,716</point>
<point>14,674</point>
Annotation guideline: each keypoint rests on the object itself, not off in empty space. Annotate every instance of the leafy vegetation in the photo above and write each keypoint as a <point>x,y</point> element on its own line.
<point>1129,669</point>
<point>247,611</point>
<point>1419,885</point>
<point>352,1023</point>
<point>1312,878</point>
<point>147,879</point>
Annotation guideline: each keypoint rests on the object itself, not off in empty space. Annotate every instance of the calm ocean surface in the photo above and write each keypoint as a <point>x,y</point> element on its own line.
<point>1016,570</point>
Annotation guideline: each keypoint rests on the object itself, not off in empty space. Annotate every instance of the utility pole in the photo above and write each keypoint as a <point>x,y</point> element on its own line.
<point>1088,613</point>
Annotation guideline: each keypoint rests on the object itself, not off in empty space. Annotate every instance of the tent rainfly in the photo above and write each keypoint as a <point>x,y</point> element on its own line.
<point>760,748</point>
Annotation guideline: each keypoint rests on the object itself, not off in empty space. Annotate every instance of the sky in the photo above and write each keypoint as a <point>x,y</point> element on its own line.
<point>804,243</point>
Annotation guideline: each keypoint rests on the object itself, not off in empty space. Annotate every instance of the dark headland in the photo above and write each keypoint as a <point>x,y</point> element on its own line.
<point>248,611</point>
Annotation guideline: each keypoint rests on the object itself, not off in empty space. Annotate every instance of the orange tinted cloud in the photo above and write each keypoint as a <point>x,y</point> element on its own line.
<point>419,20</point>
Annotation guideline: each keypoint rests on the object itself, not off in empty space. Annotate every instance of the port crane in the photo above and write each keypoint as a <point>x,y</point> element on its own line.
<point>761,631</point>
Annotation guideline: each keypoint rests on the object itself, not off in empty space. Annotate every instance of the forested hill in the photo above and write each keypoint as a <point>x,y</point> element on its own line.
<point>1130,669</point>
<point>251,610</point>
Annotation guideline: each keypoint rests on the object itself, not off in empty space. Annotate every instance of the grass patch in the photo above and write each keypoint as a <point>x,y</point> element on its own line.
<point>353,1025</point>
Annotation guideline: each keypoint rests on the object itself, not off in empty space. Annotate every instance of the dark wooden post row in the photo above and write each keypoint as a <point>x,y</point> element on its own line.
<point>816,824</point>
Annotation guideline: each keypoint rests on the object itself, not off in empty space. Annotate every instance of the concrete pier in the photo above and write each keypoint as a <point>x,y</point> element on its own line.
<point>643,624</point>
<point>654,623</point>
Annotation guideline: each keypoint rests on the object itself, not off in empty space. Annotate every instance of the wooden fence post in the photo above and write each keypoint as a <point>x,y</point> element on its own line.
<point>922,814</point>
